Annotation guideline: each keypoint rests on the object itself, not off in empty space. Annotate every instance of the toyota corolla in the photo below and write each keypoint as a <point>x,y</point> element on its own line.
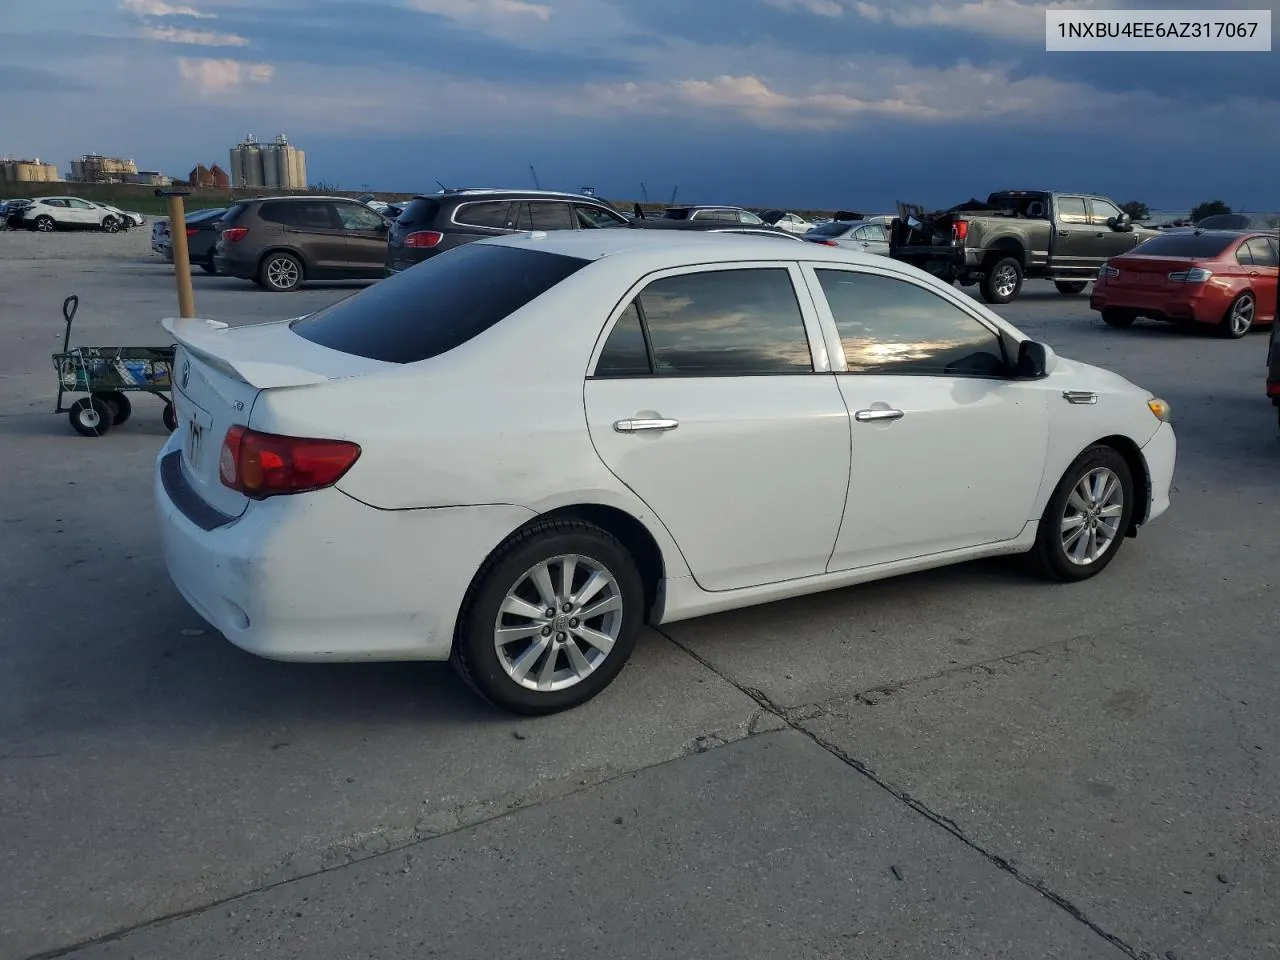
<point>515,454</point>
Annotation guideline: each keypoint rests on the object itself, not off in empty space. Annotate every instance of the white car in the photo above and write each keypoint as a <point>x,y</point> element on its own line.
<point>520,451</point>
<point>793,223</point>
<point>48,214</point>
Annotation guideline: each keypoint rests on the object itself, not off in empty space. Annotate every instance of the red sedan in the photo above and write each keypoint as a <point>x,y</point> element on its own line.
<point>1219,278</point>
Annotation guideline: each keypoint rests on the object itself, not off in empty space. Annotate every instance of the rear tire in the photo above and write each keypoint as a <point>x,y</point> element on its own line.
<point>1238,320</point>
<point>1081,531</point>
<point>90,417</point>
<point>1003,281</point>
<point>44,224</point>
<point>1071,288</point>
<point>548,649</point>
<point>1117,318</point>
<point>170,417</point>
<point>281,272</point>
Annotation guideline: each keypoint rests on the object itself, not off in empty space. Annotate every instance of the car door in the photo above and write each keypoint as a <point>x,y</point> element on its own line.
<point>1108,242</point>
<point>948,452</point>
<point>366,239</point>
<point>710,399</point>
<point>1073,240</point>
<point>1262,271</point>
<point>317,231</point>
<point>871,238</point>
<point>82,213</point>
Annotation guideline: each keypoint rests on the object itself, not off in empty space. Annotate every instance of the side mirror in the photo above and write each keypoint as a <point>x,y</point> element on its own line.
<point>1035,360</point>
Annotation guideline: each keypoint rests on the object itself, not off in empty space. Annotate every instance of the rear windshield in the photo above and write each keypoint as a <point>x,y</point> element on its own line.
<point>437,305</point>
<point>1226,221</point>
<point>1185,245</point>
<point>233,212</point>
<point>421,212</point>
<point>833,229</point>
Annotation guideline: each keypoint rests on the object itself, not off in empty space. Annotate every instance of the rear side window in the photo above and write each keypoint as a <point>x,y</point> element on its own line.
<point>1072,210</point>
<point>313,215</point>
<point>439,304</point>
<point>421,212</point>
<point>718,323</point>
<point>550,215</point>
<point>492,214</point>
<point>1262,252</point>
<point>1195,246</point>
<point>281,213</point>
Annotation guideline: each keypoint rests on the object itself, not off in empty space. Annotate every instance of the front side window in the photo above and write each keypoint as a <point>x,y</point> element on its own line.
<point>1072,210</point>
<point>592,217</point>
<point>746,216</point>
<point>891,326</point>
<point>717,323</point>
<point>356,216</point>
<point>80,204</point>
<point>1103,211</point>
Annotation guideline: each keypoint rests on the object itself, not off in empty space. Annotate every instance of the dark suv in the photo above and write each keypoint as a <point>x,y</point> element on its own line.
<point>280,242</point>
<point>438,222</point>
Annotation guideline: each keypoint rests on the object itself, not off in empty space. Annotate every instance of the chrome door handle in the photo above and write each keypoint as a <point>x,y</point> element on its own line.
<point>879,413</point>
<point>631,426</point>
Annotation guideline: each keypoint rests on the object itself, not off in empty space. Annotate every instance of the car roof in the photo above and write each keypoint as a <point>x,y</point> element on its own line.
<point>297,197</point>
<point>507,192</point>
<point>664,248</point>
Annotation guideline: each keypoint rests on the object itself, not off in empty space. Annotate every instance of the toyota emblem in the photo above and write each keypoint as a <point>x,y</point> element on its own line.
<point>186,373</point>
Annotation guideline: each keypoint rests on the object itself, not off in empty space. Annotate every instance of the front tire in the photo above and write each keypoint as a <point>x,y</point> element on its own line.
<point>531,643</point>
<point>1003,281</point>
<point>90,417</point>
<point>1087,518</point>
<point>110,225</point>
<point>281,272</point>
<point>1071,288</point>
<point>1238,320</point>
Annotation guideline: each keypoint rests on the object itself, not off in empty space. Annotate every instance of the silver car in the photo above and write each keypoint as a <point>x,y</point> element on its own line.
<point>866,236</point>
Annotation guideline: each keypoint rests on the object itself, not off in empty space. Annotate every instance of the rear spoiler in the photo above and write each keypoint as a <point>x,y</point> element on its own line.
<point>207,340</point>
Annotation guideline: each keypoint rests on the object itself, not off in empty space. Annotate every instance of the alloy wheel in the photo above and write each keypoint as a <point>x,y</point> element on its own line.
<point>1005,281</point>
<point>1241,318</point>
<point>1091,519</point>
<point>558,623</point>
<point>282,273</point>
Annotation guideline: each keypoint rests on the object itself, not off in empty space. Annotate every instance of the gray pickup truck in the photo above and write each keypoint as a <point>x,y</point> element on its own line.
<point>1016,235</point>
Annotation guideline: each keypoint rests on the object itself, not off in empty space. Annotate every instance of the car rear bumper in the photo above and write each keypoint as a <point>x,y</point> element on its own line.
<point>1161,454</point>
<point>323,577</point>
<point>1173,306</point>
<point>234,267</point>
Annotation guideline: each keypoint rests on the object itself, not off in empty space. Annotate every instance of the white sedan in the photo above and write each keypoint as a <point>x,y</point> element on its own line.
<point>517,453</point>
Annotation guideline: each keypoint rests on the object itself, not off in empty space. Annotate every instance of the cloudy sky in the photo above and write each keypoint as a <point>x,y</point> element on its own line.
<point>852,103</point>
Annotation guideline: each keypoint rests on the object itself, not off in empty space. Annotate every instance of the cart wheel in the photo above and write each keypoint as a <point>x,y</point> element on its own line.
<point>170,417</point>
<point>90,417</point>
<point>121,407</point>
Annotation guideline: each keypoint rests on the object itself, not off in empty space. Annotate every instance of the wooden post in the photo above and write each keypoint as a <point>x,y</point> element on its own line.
<point>181,257</point>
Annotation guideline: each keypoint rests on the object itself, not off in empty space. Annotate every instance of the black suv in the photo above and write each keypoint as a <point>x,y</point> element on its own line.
<point>279,242</point>
<point>438,222</point>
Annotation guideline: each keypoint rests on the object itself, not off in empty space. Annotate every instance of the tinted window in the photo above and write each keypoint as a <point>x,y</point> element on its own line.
<point>833,229</point>
<point>549,215</point>
<point>315,215</point>
<point>1244,255</point>
<point>200,216</point>
<point>715,214</point>
<point>356,216</point>
<point>281,213</point>
<point>491,213</point>
<point>1185,245</point>
<point>61,204</point>
<point>234,211</point>
<point>420,212</point>
<point>1072,210</point>
<point>895,327</point>
<point>1103,211</point>
<point>439,304</point>
<point>1262,252</point>
<point>590,217</point>
<point>1225,221</point>
<point>726,323</point>
<point>625,353</point>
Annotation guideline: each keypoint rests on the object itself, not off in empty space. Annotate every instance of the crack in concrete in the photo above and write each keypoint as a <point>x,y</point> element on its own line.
<point>946,823</point>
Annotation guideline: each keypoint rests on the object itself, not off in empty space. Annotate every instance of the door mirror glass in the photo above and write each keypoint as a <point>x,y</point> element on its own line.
<point>1035,361</point>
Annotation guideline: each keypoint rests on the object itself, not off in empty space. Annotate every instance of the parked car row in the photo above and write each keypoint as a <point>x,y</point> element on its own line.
<point>47,214</point>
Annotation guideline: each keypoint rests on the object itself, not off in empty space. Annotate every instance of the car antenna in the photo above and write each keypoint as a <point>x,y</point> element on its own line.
<point>536,184</point>
<point>443,188</point>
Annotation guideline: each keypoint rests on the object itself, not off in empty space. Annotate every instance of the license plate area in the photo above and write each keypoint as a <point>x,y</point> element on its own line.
<point>197,433</point>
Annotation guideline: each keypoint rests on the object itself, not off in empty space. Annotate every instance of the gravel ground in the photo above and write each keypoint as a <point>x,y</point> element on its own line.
<point>132,244</point>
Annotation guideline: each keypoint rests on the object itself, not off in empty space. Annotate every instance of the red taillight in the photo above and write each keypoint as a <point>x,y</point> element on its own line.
<point>232,234</point>
<point>1273,388</point>
<point>423,239</point>
<point>826,243</point>
<point>959,230</point>
<point>262,465</point>
<point>192,231</point>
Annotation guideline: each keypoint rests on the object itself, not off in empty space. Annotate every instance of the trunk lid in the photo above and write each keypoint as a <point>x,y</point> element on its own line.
<point>1140,271</point>
<point>219,372</point>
